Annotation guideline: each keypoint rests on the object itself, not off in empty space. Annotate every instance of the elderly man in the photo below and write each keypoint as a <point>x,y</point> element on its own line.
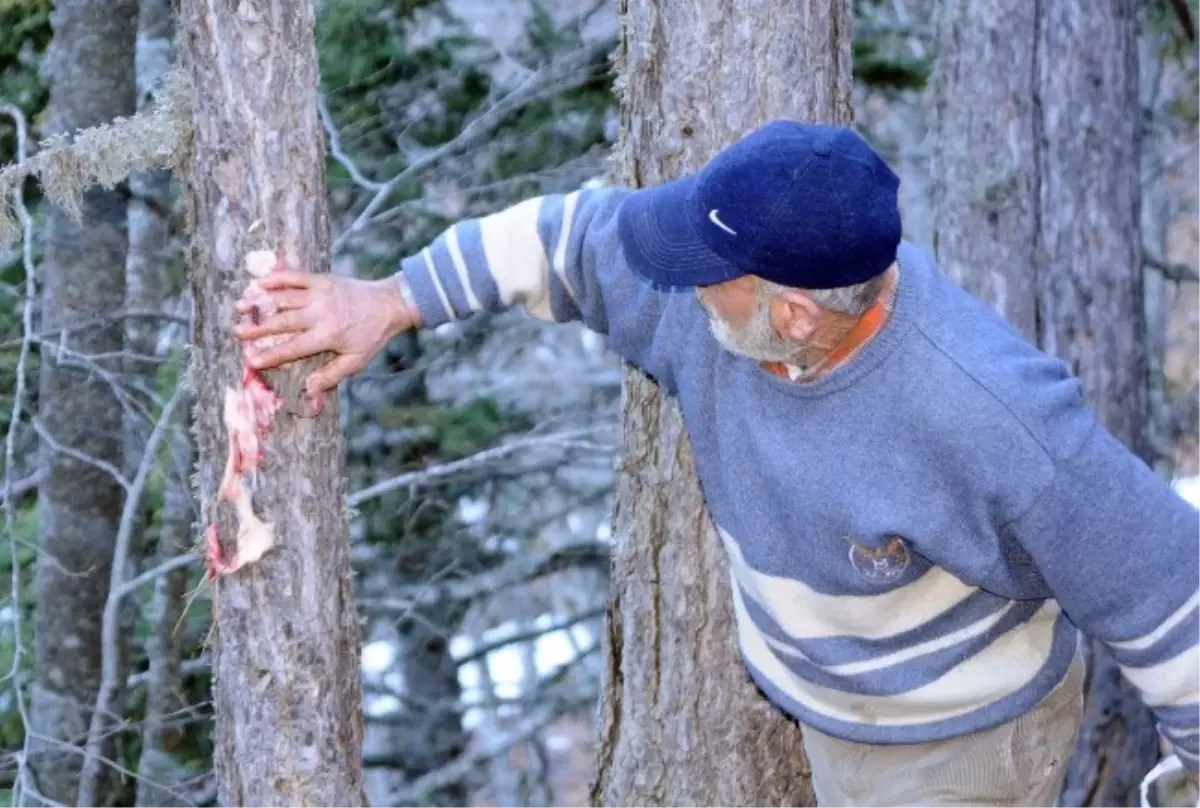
<point>922,516</point>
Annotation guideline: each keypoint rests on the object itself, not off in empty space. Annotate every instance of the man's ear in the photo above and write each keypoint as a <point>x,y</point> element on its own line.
<point>795,315</point>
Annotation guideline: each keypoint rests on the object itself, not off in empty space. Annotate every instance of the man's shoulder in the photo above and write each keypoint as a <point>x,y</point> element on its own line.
<point>987,360</point>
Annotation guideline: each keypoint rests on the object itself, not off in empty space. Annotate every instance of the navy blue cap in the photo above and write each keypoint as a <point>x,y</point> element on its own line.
<point>804,205</point>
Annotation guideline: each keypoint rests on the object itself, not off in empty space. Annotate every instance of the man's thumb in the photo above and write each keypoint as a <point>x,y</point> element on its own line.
<point>331,375</point>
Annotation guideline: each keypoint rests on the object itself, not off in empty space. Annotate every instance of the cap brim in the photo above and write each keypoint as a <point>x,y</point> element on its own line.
<point>661,243</point>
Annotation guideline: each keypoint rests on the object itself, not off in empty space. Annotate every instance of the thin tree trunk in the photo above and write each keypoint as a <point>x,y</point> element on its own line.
<point>681,722</point>
<point>147,281</point>
<point>89,68</point>
<point>1039,214</point>
<point>537,790</point>
<point>162,763</point>
<point>149,287</point>
<point>431,735</point>
<point>1157,195</point>
<point>287,691</point>
<point>986,172</point>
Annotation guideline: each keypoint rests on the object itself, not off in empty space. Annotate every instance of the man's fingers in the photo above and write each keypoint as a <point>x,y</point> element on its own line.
<point>300,346</point>
<point>283,300</point>
<point>287,299</point>
<point>283,322</point>
<point>287,279</point>
<point>332,374</point>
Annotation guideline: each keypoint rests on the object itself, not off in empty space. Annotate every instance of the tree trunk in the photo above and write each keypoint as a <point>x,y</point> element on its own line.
<point>1038,193</point>
<point>287,692</point>
<point>431,734</point>
<point>150,287</point>
<point>1157,215</point>
<point>89,68</point>
<point>163,763</point>
<point>681,722</point>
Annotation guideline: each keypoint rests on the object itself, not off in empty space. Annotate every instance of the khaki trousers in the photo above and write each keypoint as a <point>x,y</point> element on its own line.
<point>1023,762</point>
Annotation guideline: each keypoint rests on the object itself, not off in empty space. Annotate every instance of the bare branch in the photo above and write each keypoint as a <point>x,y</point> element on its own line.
<point>527,91</point>
<point>189,667</point>
<point>562,440</point>
<point>112,318</point>
<point>68,358</point>
<point>523,568</point>
<point>525,636</point>
<point>485,122</point>
<point>165,568</point>
<point>113,764</point>
<point>89,777</point>
<point>24,777</point>
<point>82,457</point>
<point>568,173</point>
<point>21,487</point>
<point>1176,271</point>
<point>334,140</point>
<point>528,727</point>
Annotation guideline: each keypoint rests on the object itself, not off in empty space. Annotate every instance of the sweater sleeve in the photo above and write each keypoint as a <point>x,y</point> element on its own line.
<point>1120,550</point>
<point>559,257</point>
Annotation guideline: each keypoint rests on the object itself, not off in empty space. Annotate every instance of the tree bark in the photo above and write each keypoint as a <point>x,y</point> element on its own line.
<point>681,723</point>
<point>1038,144</point>
<point>287,692</point>
<point>90,72</point>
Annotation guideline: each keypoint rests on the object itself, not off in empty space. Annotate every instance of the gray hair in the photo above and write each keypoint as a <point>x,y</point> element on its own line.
<point>851,300</point>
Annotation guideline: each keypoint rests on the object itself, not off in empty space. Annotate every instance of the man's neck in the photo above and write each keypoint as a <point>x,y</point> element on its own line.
<point>834,330</point>
<point>842,337</point>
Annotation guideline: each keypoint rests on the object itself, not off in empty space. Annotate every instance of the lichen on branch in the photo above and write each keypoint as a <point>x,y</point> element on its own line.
<point>67,164</point>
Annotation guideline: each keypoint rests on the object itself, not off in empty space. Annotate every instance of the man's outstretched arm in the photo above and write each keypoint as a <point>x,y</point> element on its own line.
<point>521,255</point>
<point>1120,550</point>
<point>558,256</point>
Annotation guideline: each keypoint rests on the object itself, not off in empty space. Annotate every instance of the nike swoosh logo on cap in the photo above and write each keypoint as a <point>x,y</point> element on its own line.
<point>712,217</point>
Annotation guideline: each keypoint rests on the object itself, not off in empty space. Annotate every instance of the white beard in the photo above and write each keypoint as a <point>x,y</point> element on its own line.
<point>758,340</point>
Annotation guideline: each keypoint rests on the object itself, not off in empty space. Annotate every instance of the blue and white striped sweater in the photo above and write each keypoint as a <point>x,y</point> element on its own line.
<point>916,540</point>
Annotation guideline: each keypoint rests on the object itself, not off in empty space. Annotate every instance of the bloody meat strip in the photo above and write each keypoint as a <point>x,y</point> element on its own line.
<point>249,414</point>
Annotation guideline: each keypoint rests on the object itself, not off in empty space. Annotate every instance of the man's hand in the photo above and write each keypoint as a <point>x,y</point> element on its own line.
<point>353,319</point>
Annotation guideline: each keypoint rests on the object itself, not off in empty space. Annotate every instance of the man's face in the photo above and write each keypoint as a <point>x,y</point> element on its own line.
<point>745,319</point>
